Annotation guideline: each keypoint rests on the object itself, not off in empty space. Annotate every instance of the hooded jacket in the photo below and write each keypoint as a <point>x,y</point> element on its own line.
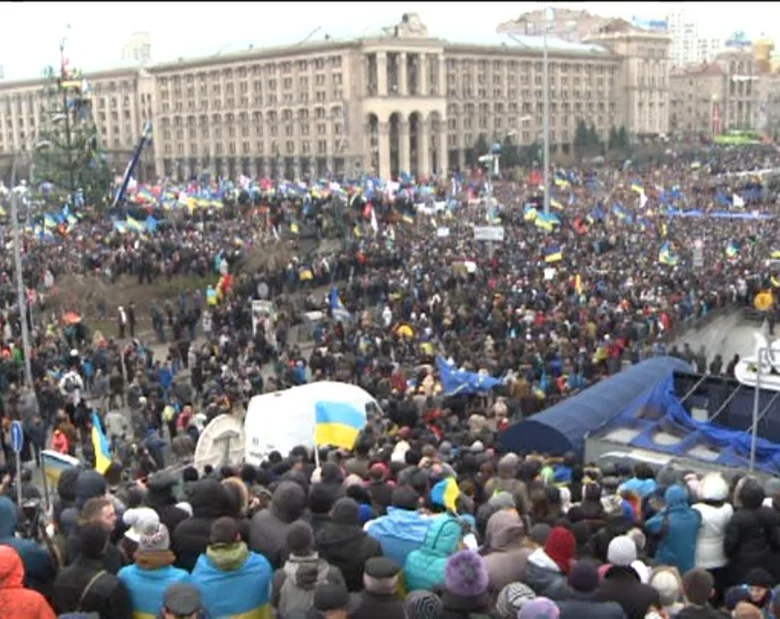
<point>343,543</point>
<point>268,529</point>
<point>751,538</point>
<point>678,524</point>
<point>148,578</point>
<point>399,532</point>
<point>234,582</point>
<point>544,576</point>
<point>294,584</point>
<point>163,502</point>
<point>506,552</point>
<point>16,602</point>
<point>507,481</point>
<point>424,567</point>
<point>709,545</point>
<point>38,568</point>
<point>209,501</point>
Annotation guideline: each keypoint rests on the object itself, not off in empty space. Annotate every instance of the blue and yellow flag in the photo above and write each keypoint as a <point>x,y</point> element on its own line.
<point>578,284</point>
<point>529,212</point>
<point>732,250</point>
<point>547,221</point>
<point>101,445</point>
<point>553,254</point>
<point>338,424</point>
<point>446,493</point>
<point>134,224</point>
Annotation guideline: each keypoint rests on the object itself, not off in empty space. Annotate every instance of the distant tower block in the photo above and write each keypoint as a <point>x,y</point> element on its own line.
<point>138,48</point>
<point>762,52</point>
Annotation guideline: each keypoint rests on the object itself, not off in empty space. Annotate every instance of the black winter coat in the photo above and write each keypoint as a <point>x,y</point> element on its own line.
<point>347,547</point>
<point>107,596</point>
<point>112,562</point>
<point>164,503</point>
<point>622,585</point>
<point>209,501</point>
<point>585,606</point>
<point>752,538</point>
<point>375,606</point>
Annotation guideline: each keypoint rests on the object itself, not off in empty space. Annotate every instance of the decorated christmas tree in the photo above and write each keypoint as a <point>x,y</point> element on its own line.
<point>68,157</point>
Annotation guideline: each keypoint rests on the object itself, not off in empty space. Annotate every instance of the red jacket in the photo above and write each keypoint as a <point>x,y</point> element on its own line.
<point>16,602</point>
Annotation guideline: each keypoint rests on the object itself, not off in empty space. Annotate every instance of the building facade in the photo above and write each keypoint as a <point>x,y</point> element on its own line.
<point>400,101</point>
<point>724,95</point>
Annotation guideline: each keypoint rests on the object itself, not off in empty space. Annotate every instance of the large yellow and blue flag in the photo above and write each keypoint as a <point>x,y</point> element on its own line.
<point>446,493</point>
<point>547,221</point>
<point>337,307</point>
<point>338,424</point>
<point>553,254</point>
<point>134,225</point>
<point>100,445</point>
<point>529,212</point>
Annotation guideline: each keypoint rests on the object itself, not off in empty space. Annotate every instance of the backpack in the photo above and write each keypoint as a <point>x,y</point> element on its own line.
<point>292,597</point>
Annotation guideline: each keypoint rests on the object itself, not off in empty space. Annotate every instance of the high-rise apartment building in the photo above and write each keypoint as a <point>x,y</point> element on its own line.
<point>398,101</point>
<point>138,48</point>
<point>685,38</point>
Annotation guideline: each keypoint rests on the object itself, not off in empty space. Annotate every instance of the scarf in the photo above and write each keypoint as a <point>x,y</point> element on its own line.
<point>154,559</point>
<point>228,557</point>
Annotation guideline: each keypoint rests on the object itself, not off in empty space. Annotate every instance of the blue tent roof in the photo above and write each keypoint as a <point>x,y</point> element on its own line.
<point>563,427</point>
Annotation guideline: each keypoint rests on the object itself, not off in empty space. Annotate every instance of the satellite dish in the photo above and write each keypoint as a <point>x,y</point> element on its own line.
<point>221,443</point>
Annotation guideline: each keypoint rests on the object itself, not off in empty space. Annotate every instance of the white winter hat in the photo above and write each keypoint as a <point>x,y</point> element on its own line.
<point>713,488</point>
<point>140,520</point>
<point>621,551</point>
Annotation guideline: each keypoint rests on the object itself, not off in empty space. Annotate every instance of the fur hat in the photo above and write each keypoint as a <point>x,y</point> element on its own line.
<point>668,584</point>
<point>423,605</point>
<point>621,551</point>
<point>465,574</point>
<point>139,520</point>
<point>512,598</point>
<point>713,488</point>
<point>155,539</point>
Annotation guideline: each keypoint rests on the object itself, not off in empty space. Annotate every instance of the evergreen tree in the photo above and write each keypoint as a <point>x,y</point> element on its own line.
<point>510,155</point>
<point>68,153</point>
<point>581,139</point>
<point>622,138</point>
<point>594,142</point>
<point>482,147</point>
<point>612,142</point>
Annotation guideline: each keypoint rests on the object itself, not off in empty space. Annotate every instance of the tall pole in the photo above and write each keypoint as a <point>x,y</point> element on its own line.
<point>66,111</point>
<point>756,398</point>
<point>546,114</point>
<point>20,294</point>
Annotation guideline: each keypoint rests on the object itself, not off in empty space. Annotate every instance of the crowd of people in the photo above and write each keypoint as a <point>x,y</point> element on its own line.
<point>550,310</point>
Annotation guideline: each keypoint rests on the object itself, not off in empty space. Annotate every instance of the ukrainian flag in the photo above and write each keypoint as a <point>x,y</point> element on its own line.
<point>578,284</point>
<point>775,255</point>
<point>529,212</point>
<point>547,221</point>
<point>446,493</point>
<point>553,254</point>
<point>562,182</point>
<point>134,224</point>
<point>638,188</point>
<point>556,205</point>
<point>337,306</point>
<point>732,250</point>
<point>294,228</point>
<point>338,424</point>
<point>408,219</point>
<point>100,445</point>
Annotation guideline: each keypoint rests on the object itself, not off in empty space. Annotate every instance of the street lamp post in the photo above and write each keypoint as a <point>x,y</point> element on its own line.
<point>66,112</point>
<point>546,113</point>
<point>20,292</point>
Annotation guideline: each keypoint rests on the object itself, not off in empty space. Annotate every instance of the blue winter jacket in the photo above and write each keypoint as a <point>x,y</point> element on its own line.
<point>424,567</point>
<point>399,532</point>
<point>679,526</point>
<point>147,587</point>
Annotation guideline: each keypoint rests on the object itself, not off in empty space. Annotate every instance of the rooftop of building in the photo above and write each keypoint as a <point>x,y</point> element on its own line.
<point>703,69</point>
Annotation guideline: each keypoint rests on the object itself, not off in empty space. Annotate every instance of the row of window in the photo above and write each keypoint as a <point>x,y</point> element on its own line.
<point>206,132</point>
<point>272,117</point>
<point>319,147</point>
<point>525,66</point>
<point>303,83</point>
<point>301,98</point>
<point>257,69</point>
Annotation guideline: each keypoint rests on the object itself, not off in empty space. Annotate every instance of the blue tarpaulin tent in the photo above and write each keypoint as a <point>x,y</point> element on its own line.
<point>563,427</point>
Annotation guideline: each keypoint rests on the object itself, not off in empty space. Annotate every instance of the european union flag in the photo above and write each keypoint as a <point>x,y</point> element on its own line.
<point>461,382</point>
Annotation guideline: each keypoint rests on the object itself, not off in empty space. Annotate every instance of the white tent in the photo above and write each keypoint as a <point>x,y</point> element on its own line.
<point>285,419</point>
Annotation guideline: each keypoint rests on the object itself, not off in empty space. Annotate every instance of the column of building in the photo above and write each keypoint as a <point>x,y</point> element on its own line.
<point>381,74</point>
<point>384,150</point>
<point>403,146</point>
<point>422,75</point>
<point>401,74</point>
<point>423,148</point>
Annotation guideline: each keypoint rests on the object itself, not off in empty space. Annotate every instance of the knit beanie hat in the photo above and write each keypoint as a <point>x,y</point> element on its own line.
<point>423,605</point>
<point>621,551</point>
<point>539,533</point>
<point>540,608</point>
<point>155,539</point>
<point>89,484</point>
<point>584,576</point>
<point>561,547</point>
<point>759,577</point>
<point>465,574</point>
<point>139,520</point>
<point>346,511</point>
<point>300,539</point>
<point>512,598</point>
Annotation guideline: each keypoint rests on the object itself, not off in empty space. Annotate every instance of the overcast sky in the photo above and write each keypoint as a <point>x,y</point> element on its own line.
<point>32,31</point>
